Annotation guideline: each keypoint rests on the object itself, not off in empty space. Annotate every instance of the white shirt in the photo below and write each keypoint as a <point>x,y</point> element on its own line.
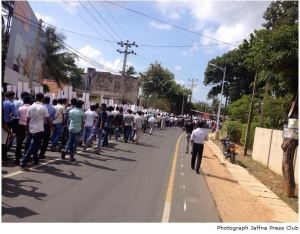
<point>199,135</point>
<point>37,113</point>
<point>138,121</point>
<point>60,109</point>
<point>90,118</point>
<point>152,120</point>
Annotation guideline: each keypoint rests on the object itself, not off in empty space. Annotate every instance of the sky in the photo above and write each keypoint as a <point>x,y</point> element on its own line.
<point>214,22</point>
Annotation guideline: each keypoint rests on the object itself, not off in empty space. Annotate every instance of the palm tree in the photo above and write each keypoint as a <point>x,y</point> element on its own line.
<point>60,65</point>
<point>130,71</point>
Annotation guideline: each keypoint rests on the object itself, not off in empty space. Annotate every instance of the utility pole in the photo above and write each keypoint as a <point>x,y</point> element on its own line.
<point>250,117</point>
<point>182,107</point>
<point>34,55</point>
<point>126,52</point>
<point>192,87</point>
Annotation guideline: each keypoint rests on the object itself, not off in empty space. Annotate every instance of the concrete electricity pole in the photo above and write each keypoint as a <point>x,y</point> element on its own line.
<point>192,87</point>
<point>126,52</point>
<point>34,56</point>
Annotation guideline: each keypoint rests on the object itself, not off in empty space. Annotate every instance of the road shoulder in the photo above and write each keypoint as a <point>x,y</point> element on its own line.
<point>239,196</point>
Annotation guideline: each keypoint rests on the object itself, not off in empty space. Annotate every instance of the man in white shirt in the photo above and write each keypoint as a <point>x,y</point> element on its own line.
<point>199,135</point>
<point>138,125</point>
<point>90,121</point>
<point>58,123</point>
<point>37,115</point>
<point>152,121</point>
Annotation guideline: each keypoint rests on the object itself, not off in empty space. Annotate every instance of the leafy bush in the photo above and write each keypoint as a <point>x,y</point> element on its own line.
<point>234,130</point>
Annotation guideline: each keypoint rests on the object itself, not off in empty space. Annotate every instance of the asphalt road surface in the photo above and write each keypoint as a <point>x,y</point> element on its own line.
<point>126,183</point>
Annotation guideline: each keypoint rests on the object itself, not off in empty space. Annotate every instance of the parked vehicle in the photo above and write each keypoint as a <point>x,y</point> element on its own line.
<point>229,149</point>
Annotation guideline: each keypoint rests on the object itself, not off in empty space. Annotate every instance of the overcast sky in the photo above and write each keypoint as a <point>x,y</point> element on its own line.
<point>216,21</point>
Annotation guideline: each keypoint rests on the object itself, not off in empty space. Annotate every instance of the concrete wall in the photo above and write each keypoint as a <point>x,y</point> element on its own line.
<point>261,146</point>
<point>267,150</point>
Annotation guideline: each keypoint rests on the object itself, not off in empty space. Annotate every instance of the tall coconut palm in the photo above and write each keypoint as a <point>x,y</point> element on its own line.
<point>130,71</point>
<point>60,65</point>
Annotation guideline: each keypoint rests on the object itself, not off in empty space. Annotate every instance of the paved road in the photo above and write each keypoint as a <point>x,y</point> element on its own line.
<point>127,183</point>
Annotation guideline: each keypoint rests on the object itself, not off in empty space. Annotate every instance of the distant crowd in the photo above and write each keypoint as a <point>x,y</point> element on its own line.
<point>33,124</point>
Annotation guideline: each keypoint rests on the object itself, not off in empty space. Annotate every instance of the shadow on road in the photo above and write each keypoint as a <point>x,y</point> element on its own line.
<point>57,172</point>
<point>218,177</point>
<point>20,212</point>
<point>147,145</point>
<point>15,188</point>
<point>119,158</point>
<point>87,163</point>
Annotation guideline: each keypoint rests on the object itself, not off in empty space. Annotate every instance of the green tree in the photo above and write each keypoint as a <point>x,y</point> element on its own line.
<point>130,71</point>
<point>60,65</point>
<point>238,110</point>
<point>238,77</point>
<point>281,13</point>
<point>274,51</point>
<point>158,84</point>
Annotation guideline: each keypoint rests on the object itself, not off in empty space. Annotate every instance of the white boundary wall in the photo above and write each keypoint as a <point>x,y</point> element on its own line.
<point>267,150</point>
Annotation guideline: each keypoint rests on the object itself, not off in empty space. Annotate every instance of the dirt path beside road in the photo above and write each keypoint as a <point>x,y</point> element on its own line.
<point>234,203</point>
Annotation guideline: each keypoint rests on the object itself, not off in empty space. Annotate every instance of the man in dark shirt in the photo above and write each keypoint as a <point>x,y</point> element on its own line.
<point>118,123</point>
<point>98,130</point>
<point>189,127</point>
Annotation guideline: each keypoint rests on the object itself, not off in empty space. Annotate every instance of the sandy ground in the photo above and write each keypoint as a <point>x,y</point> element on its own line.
<point>234,203</point>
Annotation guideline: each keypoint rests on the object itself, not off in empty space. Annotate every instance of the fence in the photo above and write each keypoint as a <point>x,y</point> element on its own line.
<point>267,150</point>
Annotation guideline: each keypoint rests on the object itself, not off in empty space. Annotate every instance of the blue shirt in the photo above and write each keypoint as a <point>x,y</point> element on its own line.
<point>9,110</point>
<point>51,111</point>
<point>76,117</point>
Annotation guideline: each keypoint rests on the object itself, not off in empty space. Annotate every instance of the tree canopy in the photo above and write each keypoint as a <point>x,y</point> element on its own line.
<point>60,65</point>
<point>159,85</point>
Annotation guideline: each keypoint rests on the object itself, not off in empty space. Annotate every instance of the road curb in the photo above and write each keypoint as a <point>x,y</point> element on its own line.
<point>282,212</point>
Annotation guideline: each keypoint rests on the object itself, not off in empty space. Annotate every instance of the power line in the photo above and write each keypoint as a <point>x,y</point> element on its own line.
<point>99,14</point>
<point>67,30</point>
<point>94,29</point>
<point>141,45</point>
<point>164,22</point>
<point>111,15</point>
<point>111,36</point>
<point>69,48</point>
<point>185,46</point>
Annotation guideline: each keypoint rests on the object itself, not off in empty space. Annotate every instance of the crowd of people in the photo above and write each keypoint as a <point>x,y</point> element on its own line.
<point>33,124</point>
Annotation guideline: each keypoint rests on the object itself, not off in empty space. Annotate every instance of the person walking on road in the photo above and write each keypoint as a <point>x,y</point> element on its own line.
<point>128,125</point>
<point>58,124</point>
<point>199,135</point>
<point>21,133</point>
<point>189,127</point>
<point>163,122</point>
<point>76,117</point>
<point>98,129</point>
<point>118,123</point>
<point>138,125</point>
<point>89,122</point>
<point>152,121</point>
<point>47,129</point>
<point>37,115</point>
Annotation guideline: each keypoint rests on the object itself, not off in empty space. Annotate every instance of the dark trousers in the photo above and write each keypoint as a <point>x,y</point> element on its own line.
<point>35,143</point>
<point>46,140</point>
<point>64,137</point>
<point>4,152</point>
<point>107,131</point>
<point>21,135</point>
<point>197,153</point>
<point>127,133</point>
